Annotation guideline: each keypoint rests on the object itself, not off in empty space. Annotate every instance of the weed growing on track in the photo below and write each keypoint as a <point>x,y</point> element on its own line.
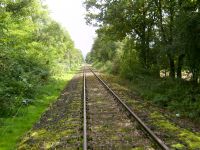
<point>11,129</point>
<point>190,139</point>
<point>166,94</point>
<point>179,96</point>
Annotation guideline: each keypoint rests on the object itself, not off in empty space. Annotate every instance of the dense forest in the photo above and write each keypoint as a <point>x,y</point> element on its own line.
<point>145,40</point>
<point>33,49</point>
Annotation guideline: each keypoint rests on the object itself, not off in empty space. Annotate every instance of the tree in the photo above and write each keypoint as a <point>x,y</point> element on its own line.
<point>33,48</point>
<point>126,18</point>
<point>152,25</point>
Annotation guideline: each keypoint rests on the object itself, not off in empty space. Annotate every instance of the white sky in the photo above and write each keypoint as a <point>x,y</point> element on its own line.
<point>70,13</point>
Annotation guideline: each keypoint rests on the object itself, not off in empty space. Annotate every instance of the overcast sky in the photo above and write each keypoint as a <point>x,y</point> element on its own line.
<point>70,13</point>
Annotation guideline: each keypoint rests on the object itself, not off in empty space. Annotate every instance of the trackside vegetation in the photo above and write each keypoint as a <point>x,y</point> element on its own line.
<point>37,58</point>
<point>33,48</point>
<point>12,129</point>
<point>155,45</point>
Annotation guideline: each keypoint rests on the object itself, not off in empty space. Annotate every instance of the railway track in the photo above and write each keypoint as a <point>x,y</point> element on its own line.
<point>99,121</point>
<point>108,123</point>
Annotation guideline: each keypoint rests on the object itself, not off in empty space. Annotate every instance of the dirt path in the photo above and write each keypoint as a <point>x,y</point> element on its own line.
<point>60,127</point>
<point>109,127</point>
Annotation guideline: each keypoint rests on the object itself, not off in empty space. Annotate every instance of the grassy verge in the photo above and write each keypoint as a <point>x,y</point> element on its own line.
<point>178,96</point>
<point>180,135</point>
<point>11,129</point>
<point>104,67</point>
<point>178,132</point>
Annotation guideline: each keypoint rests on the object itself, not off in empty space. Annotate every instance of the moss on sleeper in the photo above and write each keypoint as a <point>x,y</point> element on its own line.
<point>190,140</point>
<point>183,138</point>
<point>42,134</point>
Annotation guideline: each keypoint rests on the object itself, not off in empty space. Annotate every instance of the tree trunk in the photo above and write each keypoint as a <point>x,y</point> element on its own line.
<point>143,53</point>
<point>179,65</point>
<point>171,66</point>
<point>195,76</point>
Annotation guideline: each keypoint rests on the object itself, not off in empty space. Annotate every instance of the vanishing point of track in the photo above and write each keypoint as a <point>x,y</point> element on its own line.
<point>87,124</point>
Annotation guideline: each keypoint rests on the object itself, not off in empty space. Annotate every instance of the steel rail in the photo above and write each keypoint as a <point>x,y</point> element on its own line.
<point>156,139</point>
<point>84,112</point>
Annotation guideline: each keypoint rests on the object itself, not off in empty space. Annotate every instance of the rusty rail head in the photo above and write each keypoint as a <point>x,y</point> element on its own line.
<point>84,112</point>
<point>156,139</point>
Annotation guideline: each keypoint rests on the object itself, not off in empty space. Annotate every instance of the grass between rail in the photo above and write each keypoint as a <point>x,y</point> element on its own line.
<point>178,97</point>
<point>11,129</point>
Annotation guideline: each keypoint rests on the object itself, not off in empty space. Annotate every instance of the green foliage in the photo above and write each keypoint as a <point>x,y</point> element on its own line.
<point>178,96</point>
<point>88,58</point>
<point>12,129</point>
<point>104,67</point>
<point>151,36</point>
<point>164,33</point>
<point>33,47</point>
<point>103,49</point>
<point>189,35</point>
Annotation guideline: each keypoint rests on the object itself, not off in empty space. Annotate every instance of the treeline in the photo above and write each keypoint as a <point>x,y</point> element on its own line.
<point>151,37</point>
<point>33,48</point>
<point>156,34</point>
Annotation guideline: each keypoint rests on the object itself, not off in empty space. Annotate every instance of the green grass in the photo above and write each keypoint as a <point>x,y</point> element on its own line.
<point>179,96</point>
<point>190,139</point>
<point>104,67</point>
<point>11,129</point>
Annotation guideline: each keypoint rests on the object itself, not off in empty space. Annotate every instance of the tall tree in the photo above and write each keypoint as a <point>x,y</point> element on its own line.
<point>33,47</point>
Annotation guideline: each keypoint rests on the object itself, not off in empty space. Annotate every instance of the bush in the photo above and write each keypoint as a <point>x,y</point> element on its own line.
<point>19,80</point>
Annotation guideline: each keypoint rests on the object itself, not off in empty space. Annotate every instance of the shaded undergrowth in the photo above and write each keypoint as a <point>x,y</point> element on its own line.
<point>179,96</point>
<point>12,128</point>
<point>176,131</point>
